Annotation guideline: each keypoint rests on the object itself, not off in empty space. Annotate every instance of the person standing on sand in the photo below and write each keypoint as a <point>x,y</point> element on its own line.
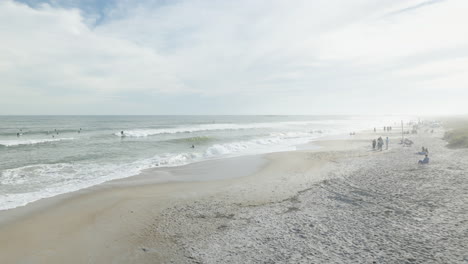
<point>379,143</point>
<point>386,143</point>
<point>374,130</point>
<point>373,144</point>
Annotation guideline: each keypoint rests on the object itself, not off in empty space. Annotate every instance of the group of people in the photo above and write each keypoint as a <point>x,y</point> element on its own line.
<point>56,132</point>
<point>424,151</point>
<point>385,128</point>
<point>379,143</point>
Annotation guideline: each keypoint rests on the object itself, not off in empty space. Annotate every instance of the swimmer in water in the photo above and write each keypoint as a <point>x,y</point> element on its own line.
<point>122,133</point>
<point>193,146</point>
<point>17,134</point>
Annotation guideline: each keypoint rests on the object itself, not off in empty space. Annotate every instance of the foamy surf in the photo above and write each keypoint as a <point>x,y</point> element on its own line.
<point>19,142</point>
<point>207,127</point>
<point>68,177</point>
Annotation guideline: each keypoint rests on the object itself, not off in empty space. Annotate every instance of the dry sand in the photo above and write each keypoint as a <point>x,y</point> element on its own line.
<point>343,203</point>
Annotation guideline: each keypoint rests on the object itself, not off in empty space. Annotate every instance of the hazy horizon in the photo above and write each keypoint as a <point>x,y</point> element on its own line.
<point>191,57</point>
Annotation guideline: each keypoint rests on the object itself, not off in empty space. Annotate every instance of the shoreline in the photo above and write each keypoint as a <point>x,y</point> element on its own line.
<point>248,158</point>
<point>139,219</point>
<point>76,212</point>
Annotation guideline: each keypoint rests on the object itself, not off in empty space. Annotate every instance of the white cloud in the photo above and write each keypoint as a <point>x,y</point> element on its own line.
<point>52,50</point>
<point>420,31</point>
<point>301,50</point>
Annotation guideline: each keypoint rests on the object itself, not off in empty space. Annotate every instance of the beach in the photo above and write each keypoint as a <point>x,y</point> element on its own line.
<point>340,203</point>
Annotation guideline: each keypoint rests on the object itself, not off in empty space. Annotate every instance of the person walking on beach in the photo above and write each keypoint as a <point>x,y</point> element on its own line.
<point>386,143</point>
<point>373,144</point>
<point>374,130</point>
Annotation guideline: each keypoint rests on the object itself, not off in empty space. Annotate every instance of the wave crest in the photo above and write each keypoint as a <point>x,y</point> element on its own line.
<point>207,127</point>
<point>18,142</point>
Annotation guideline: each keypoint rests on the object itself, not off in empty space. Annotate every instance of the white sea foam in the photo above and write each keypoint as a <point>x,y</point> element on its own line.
<point>68,177</point>
<point>18,142</point>
<point>211,127</point>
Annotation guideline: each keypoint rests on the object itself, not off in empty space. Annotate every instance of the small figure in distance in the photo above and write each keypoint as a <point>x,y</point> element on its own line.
<point>18,134</point>
<point>122,133</point>
<point>374,130</point>
<point>373,144</point>
<point>424,161</point>
<point>423,151</point>
<point>193,146</point>
<point>386,143</point>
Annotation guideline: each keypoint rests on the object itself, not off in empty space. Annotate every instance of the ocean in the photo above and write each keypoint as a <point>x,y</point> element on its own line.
<point>43,156</point>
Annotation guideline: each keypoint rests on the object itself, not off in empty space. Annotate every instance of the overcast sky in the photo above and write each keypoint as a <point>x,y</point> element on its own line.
<point>233,57</point>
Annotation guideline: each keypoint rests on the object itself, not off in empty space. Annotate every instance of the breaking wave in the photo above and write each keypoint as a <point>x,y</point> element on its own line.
<point>208,127</point>
<point>18,142</point>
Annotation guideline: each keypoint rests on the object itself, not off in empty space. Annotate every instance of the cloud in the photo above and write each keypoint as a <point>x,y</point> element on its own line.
<point>305,56</point>
<point>51,50</point>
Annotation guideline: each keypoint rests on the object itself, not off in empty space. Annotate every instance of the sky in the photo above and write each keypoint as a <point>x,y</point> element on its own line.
<point>233,57</point>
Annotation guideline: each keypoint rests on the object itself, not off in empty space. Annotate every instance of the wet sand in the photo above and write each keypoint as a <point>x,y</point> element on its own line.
<point>341,203</point>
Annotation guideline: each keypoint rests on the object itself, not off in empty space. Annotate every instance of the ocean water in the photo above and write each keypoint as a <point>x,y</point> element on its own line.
<point>43,156</point>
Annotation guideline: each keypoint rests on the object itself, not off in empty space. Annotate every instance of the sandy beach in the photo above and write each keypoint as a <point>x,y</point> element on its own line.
<point>340,203</point>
